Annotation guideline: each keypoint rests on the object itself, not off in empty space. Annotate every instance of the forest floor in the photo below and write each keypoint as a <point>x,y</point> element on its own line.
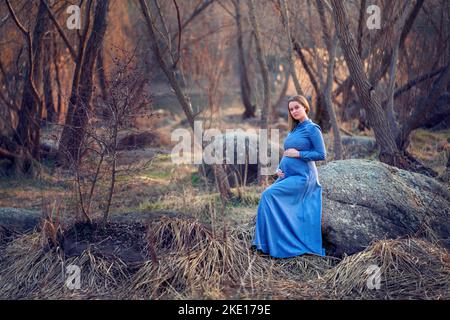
<point>123,260</point>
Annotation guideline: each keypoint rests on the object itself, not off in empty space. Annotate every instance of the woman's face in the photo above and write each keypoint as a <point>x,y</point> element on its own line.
<point>297,111</point>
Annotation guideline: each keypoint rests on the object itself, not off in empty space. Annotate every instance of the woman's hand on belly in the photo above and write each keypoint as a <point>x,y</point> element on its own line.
<point>280,173</point>
<point>292,153</point>
<point>293,166</point>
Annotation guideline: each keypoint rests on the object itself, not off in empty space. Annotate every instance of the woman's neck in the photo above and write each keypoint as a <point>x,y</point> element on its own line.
<point>302,120</point>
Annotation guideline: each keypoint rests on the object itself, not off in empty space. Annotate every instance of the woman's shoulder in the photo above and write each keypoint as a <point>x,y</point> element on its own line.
<point>313,126</point>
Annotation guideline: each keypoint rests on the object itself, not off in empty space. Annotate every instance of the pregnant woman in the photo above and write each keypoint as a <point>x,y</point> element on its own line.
<point>289,216</point>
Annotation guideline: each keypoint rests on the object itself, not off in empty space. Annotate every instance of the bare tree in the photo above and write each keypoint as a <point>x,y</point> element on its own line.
<point>82,87</point>
<point>28,129</point>
<point>51,112</point>
<point>266,109</point>
<point>285,19</point>
<point>124,100</point>
<point>423,107</point>
<point>222,181</point>
<point>331,43</point>
<point>389,152</point>
<point>24,150</point>
<point>246,90</point>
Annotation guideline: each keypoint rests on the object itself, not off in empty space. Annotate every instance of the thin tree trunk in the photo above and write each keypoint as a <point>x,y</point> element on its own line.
<point>319,115</point>
<point>287,27</point>
<point>113,170</point>
<point>423,107</point>
<point>283,91</point>
<point>329,103</point>
<point>222,182</point>
<point>101,73</point>
<point>250,108</point>
<point>184,100</point>
<point>170,74</point>
<point>266,108</point>
<point>58,108</point>
<point>266,112</point>
<point>331,44</point>
<point>48,89</point>
<point>361,20</point>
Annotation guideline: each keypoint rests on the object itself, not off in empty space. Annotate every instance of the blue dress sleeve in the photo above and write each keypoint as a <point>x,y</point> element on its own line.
<point>318,152</point>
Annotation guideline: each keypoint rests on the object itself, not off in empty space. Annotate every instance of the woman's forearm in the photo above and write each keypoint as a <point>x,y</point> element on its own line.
<point>318,152</point>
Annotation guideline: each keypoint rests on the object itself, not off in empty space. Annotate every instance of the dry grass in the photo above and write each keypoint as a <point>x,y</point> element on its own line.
<point>30,270</point>
<point>194,261</point>
<point>431,148</point>
<point>409,269</point>
<point>187,259</point>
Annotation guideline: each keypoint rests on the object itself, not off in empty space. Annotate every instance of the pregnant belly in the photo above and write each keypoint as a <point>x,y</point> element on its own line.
<point>293,166</point>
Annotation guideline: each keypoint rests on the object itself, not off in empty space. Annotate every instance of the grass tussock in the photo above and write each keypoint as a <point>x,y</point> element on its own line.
<point>194,261</point>
<point>31,269</point>
<point>409,269</point>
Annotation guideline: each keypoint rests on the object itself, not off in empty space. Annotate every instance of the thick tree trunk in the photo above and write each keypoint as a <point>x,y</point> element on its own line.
<point>389,152</point>
<point>28,129</point>
<point>389,106</point>
<point>364,52</point>
<point>22,162</point>
<point>74,130</point>
<point>222,182</point>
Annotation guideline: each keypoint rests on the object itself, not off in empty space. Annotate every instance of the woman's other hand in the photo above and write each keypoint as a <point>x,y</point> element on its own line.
<point>280,173</point>
<point>291,152</point>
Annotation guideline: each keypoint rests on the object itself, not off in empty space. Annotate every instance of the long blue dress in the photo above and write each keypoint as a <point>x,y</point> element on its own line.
<point>289,215</point>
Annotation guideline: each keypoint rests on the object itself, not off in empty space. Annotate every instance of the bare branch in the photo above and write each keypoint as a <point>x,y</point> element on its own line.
<point>60,31</point>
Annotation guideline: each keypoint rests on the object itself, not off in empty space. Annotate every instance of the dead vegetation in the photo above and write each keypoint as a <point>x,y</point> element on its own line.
<point>409,269</point>
<point>180,258</point>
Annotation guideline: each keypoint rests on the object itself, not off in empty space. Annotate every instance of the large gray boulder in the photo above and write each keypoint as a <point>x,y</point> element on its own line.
<point>367,200</point>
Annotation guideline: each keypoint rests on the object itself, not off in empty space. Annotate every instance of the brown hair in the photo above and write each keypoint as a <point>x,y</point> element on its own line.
<point>303,102</point>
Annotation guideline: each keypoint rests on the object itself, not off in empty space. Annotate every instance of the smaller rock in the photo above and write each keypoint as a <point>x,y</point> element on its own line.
<point>19,220</point>
<point>358,147</point>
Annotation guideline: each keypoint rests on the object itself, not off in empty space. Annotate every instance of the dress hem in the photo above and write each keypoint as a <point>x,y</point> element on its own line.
<point>260,248</point>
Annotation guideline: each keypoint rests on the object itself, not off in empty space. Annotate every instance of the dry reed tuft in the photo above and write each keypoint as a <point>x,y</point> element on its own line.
<point>30,270</point>
<point>409,269</point>
<point>194,261</point>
